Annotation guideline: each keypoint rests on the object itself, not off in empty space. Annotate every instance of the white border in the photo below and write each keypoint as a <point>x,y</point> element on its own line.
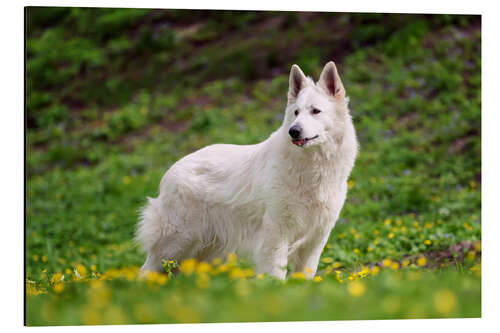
<point>12,157</point>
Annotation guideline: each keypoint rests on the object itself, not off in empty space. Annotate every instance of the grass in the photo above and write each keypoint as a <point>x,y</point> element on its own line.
<point>137,90</point>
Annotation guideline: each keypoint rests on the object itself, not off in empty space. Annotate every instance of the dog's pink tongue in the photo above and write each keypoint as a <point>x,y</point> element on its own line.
<point>299,142</point>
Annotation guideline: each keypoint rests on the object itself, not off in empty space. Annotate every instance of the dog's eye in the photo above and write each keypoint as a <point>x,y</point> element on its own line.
<point>296,112</point>
<point>316,111</point>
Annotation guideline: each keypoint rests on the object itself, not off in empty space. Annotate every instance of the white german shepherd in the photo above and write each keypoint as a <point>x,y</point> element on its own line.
<point>274,203</point>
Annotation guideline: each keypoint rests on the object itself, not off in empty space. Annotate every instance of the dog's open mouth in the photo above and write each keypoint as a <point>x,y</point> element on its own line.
<point>301,142</point>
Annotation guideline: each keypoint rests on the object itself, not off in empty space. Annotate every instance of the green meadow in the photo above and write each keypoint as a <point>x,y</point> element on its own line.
<point>116,96</point>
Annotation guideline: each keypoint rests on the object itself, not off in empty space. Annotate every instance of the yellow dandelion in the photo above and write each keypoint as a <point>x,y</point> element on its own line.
<point>298,276</point>
<point>376,232</point>
<point>336,264</point>
<point>328,246</point>
<point>317,279</point>
<point>58,288</point>
<point>356,251</point>
<point>405,263</point>
<point>445,301</point>
<point>351,184</point>
<point>80,271</point>
<point>471,255</point>
<point>421,261</point>
<point>93,268</point>
<point>375,270</point>
<point>44,259</point>
<point>327,260</point>
<point>260,276</point>
<point>36,257</point>
<point>356,288</point>
<point>188,266</point>
<point>203,267</point>
<point>369,249</point>
<point>386,262</point>
<point>231,258</point>
<point>388,221</point>
<point>395,265</point>
<point>391,235</point>
<point>427,242</point>
<point>216,261</point>
<point>56,278</point>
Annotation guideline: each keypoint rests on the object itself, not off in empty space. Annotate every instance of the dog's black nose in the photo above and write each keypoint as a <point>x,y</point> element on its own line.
<point>295,131</point>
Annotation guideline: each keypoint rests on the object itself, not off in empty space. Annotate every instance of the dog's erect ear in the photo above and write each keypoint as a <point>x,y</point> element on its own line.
<point>297,82</point>
<point>329,81</point>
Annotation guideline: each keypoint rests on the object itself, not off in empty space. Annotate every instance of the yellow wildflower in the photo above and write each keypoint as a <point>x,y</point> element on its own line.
<point>56,278</point>
<point>405,263</point>
<point>445,301</point>
<point>427,242</point>
<point>350,183</point>
<point>80,271</point>
<point>203,267</point>
<point>387,262</point>
<point>391,235</point>
<point>327,260</point>
<point>126,180</point>
<point>231,258</point>
<point>421,261</point>
<point>318,279</point>
<point>216,261</point>
<point>58,287</point>
<point>356,288</point>
<point>471,255</point>
<point>395,265</point>
<point>375,270</point>
<point>188,266</point>
<point>298,276</point>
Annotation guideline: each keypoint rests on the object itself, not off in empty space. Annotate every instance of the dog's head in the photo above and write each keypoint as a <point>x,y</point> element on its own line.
<point>316,113</point>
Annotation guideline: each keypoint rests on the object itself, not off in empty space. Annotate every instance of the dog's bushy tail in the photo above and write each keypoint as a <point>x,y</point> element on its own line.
<point>149,228</point>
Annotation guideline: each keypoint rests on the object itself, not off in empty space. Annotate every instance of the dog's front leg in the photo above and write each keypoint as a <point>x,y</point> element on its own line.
<point>309,254</point>
<point>271,256</point>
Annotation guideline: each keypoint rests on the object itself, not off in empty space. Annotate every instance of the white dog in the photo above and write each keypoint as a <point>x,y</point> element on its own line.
<point>274,203</point>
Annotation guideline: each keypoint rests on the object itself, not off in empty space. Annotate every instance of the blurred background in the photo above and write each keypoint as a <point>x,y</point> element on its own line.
<point>115,96</point>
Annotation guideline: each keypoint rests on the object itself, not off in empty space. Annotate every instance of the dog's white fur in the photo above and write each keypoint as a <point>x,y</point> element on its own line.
<point>274,203</point>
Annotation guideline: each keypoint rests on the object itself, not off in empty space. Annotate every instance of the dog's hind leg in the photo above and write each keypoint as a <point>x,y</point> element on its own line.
<point>152,264</point>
